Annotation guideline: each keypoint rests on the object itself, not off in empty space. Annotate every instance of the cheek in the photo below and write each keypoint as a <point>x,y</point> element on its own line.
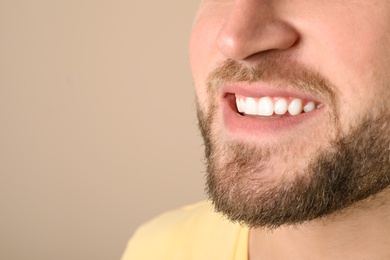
<point>361,71</point>
<point>350,46</point>
<point>356,62</point>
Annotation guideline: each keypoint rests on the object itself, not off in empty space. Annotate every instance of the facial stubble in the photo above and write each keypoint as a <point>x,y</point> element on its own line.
<point>353,167</point>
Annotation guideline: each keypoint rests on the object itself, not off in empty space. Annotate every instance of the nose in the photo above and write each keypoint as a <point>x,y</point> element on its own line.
<point>253,27</point>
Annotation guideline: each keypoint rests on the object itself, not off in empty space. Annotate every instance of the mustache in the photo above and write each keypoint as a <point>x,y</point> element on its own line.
<point>281,72</point>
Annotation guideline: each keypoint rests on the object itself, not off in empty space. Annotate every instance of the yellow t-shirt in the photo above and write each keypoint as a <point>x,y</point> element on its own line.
<point>193,232</point>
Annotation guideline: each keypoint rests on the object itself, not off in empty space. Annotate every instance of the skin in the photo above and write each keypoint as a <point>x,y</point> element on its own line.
<point>347,42</point>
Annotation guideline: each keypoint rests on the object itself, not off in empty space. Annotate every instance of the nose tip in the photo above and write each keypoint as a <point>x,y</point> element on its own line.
<point>246,33</point>
<point>231,46</point>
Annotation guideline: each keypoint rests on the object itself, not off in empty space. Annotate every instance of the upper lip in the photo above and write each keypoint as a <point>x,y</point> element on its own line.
<point>258,90</point>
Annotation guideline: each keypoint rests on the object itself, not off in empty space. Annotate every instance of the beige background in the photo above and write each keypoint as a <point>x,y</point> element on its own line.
<point>97,123</point>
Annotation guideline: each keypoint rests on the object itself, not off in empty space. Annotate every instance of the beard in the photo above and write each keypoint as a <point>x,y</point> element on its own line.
<point>268,186</point>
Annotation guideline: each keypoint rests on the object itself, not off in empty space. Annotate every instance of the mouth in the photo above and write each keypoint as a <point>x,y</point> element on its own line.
<point>274,106</point>
<point>265,112</point>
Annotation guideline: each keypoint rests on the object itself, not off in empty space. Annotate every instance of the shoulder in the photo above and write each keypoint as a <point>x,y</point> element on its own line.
<point>188,231</point>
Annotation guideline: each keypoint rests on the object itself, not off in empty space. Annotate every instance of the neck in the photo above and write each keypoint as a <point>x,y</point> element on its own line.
<point>359,232</point>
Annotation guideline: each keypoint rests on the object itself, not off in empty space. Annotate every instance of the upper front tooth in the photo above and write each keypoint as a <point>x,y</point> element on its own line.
<point>265,106</point>
<point>281,106</point>
<point>295,107</point>
<point>250,106</point>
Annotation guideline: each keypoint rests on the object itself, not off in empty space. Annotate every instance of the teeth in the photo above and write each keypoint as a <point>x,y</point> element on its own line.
<point>250,106</point>
<point>281,106</point>
<point>295,107</point>
<point>238,104</point>
<point>309,107</point>
<point>267,106</point>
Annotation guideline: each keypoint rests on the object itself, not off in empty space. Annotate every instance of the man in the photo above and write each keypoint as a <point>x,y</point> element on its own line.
<point>293,104</point>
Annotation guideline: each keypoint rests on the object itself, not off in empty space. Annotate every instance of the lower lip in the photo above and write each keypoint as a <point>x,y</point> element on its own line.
<point>236,123</point>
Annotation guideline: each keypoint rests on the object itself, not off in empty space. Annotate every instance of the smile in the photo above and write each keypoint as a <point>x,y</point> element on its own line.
<point>260,110</point>
<point>274,106</point>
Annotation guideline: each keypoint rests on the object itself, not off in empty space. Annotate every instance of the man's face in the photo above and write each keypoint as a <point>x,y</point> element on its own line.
<point>293,103</point>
